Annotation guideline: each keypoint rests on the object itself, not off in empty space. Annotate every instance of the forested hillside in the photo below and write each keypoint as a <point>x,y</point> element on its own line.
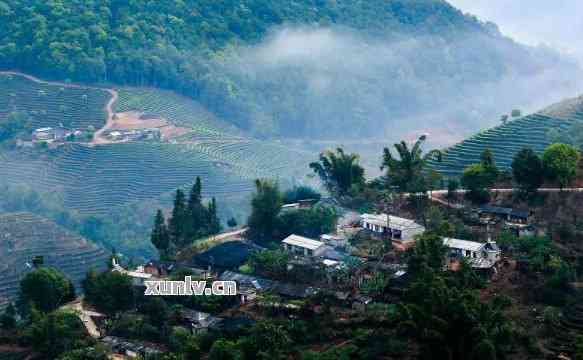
<point>301,68</point>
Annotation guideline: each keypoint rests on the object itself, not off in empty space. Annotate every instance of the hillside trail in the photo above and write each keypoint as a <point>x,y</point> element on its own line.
<point>97,136</point>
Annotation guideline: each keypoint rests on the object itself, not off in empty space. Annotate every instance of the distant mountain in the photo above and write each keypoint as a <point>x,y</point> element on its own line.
<point>307,68</point>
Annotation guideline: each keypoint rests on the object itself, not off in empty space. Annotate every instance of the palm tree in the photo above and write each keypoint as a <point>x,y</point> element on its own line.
<point>338,171</point>
<point>406,172</point>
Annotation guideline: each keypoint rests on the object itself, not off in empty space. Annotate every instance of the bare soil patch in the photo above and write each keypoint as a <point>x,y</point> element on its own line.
<point>134,120</point>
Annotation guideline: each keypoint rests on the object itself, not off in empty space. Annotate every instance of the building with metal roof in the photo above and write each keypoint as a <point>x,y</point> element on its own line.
<point>395,227</point>
<point>480,255</point>
<point>302,245</point>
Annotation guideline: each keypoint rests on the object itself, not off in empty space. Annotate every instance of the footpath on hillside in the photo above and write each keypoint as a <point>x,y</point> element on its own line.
<point>97,136</point>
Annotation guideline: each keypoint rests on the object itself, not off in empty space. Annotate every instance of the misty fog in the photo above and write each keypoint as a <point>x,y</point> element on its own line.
<point>331,83</point>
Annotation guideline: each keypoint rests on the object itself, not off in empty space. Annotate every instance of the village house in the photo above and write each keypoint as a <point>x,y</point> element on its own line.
<point>479,255</point>
<point>129,348</point>
<point>294,291</point>
<point>159,268</point>
<point>401,231</point>
<point>301,204</point>
<point>139,276</point>
<point>303,246</point>
<point>199,322</point>
<point>510,215</point>
<point>149,134</point>
<point>521,230</point>
<point>49,134</point>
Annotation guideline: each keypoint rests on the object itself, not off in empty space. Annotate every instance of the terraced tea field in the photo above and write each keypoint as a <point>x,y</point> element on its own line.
<point>504,141</point>
<point>254,159</point>
<point>24,235</point>
<point>50,105</point>
<point>97,178</point>
<point>177,109</point>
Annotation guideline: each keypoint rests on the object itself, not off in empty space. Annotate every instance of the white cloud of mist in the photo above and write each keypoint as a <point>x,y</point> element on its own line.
<point>367,87</point>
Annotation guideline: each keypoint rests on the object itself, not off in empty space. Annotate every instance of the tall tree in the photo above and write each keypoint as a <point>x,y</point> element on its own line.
<point>196,217</point>
<point>265,208</point>
<point>178,221</point>
<point>406,171</point>
<point>452,188</point>
<point>55,333</point>
<point>428,254</point>
<point>339,171</point>
<point>489,165</point>
<point>527,169</point>
<point>213,222</point>
<point>46,288</point>
<point>476,180</point>
<point>110,291</point>
<point>560,163</point>
<point>160,237</point>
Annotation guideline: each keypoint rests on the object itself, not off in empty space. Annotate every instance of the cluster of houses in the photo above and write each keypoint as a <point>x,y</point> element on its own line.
<point>329,252</point>
<point>402,233</point>
<point>123,135</point>
<point>132,349</point>
<point>517,221</point>
<point>51,135</point>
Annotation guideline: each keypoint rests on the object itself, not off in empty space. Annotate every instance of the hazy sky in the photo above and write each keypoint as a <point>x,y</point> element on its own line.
<point>558,23</point>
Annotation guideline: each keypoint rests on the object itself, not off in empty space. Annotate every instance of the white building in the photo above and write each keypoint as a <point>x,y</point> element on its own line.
<point>391,226</point>
<point>139,277</point>
<point>304,246</point>
<point>44,134</point>
<point>480,255</point>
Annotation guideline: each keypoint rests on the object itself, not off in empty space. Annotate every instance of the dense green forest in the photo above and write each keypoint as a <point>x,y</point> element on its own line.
<point>151,42</point>
<point>227,55</point>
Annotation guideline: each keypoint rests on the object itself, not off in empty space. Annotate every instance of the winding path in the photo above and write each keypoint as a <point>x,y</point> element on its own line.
<point>97,138</point>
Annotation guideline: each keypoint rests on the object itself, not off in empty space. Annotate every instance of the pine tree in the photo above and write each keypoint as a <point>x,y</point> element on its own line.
<point>265,208</point>
<point>214,224</point>
<point>160,238</point>
<point>177,221</point>
<point>195,222</point>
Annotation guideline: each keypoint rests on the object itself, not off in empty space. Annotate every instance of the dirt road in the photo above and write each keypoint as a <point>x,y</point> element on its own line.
<point>97,136</point>
<point>85,316</point>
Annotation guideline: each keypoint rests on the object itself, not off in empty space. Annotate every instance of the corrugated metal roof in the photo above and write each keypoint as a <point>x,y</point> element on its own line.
<point>303,242</point>
<point>463,244</point>
<point>395,222</point>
